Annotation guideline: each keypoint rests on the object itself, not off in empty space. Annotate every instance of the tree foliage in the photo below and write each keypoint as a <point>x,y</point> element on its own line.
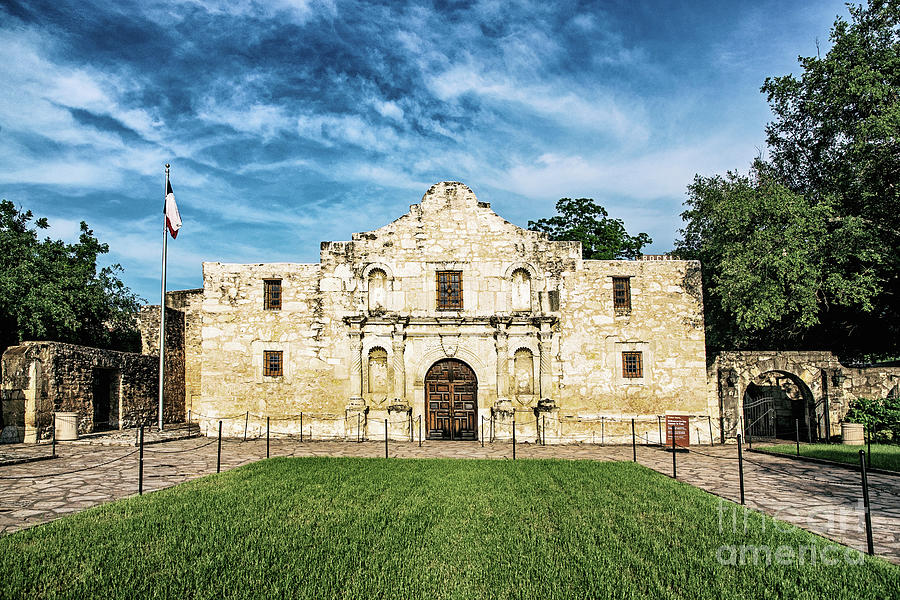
<point>601,237</point>
<point>51,290</point>
<point>803,251</point>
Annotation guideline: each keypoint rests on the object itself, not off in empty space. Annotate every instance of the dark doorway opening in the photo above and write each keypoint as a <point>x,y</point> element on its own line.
<point>451,401</point>
<point>777,405</point>
<point>106,399</point>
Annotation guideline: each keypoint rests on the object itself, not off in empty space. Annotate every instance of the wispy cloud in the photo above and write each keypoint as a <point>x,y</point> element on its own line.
<point>293,121</point>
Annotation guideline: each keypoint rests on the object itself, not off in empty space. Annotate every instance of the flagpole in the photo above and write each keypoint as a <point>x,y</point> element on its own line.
<point>162,307</point>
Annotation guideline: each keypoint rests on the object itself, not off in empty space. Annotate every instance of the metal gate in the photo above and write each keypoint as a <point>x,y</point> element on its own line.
<point>760,418</point>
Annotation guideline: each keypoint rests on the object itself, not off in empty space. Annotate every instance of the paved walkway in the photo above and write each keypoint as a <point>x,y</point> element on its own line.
<point>820,498</point>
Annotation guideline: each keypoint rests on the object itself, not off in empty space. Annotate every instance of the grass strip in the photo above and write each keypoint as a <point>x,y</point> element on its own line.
<point>884,456</point>
<point>374,528</point>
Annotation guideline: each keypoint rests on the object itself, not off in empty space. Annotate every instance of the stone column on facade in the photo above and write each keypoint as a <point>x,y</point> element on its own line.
<point>502,343</point>
<point>545,341</point>
<point>355,365</point>
<point>398,341</point>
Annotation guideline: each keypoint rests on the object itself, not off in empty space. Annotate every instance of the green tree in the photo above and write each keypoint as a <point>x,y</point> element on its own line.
<point>601,237</point>
<point>51,290</point>
<point>773,260</point>
<point>832,175</point>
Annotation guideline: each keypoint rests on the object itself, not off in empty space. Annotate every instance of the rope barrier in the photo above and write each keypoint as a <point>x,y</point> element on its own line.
<point>148,449</point>
<point>103,464</point>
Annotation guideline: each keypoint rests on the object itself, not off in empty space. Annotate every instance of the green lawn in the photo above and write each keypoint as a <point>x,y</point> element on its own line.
<point>423,529</point>
<point>884,456</point>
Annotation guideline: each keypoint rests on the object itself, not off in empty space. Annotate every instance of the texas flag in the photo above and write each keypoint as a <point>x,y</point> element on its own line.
<point>173,219</point>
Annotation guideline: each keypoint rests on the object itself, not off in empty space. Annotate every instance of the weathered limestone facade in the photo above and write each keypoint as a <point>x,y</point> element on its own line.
<point>359,332</point>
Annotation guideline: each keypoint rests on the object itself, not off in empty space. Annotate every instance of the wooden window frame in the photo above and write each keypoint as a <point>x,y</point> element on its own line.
<point>271,299</point>
<point>445,301</point>
<point>622,301</point>
<point>273,363</point>
<point>638,362</point>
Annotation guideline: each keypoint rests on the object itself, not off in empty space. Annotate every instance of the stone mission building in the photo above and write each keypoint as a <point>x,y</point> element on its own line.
<point>453,315</point>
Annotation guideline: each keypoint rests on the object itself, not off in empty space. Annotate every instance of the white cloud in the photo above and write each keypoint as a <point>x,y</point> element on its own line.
<point>262,119</point>
<point>665,172</point>
<point>332,129</point>
<point>584,109</point>
<point>390,110</point>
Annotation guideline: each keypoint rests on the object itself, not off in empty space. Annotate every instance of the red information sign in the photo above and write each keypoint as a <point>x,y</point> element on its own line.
<point>681,430</point>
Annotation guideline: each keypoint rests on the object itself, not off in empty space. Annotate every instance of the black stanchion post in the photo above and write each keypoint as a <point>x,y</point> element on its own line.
<point>869,448</point>
<point>797,434</point>
<point>709,420</point>
<point>633,444</point>
<point>482,432</point>
<point>53,436</point>
<point>514,434</point>
<point>385,439</point>
<point>659,428</point>
<point>141,462</point>
<point>602,429</point>
<point>246,421</point>
<point>674,468</point>
<point>301,427</point>
<point>358,424</point>
<point>219,451</point>
<point>420,431</point>
<point>267,437</point>
<point>865,486</point>
<point>741,467</point>
<point>543,430</point>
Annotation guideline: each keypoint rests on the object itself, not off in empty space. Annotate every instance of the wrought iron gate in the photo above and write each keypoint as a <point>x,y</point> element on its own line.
<point>760,418</point>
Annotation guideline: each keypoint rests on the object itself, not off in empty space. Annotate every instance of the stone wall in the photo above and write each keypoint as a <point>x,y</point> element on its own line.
<point>41,378</point>
<point>826,385</point>
<point>183,356</point>
<point>665,324</point>
<point>359,330</point>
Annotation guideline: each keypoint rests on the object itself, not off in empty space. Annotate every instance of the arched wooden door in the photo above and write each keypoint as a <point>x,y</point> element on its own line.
<point>451,401</point>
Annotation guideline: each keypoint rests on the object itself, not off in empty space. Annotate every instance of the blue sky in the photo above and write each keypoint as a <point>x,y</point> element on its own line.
<point>289,122</point>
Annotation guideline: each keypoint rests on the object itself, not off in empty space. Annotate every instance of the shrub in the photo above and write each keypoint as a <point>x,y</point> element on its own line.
<point>880,416</point>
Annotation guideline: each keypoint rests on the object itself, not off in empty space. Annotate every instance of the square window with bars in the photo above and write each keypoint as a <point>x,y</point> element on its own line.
<point>449,290</point>
<point>273,363</point>
<point>272,294</point>
<point>632,365</point>
<point>622,293</point>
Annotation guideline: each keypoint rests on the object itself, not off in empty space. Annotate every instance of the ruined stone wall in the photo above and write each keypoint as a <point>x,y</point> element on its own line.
<point>54,377</point>
<point>536,322</point>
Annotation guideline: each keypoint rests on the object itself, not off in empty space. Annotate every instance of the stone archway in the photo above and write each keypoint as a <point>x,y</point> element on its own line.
<point>451,401</point>
<point>778,404</point>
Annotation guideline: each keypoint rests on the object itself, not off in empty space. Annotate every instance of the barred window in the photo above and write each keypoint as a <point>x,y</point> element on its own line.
<point>273,363</point>
<point>632,365</point>
<point>449,290</point>
<point>272,294</point>
<point>622,293</point>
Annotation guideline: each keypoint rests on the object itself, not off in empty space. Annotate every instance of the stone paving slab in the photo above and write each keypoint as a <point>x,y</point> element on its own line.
<point>824,500</point>
<point>11,454</point>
